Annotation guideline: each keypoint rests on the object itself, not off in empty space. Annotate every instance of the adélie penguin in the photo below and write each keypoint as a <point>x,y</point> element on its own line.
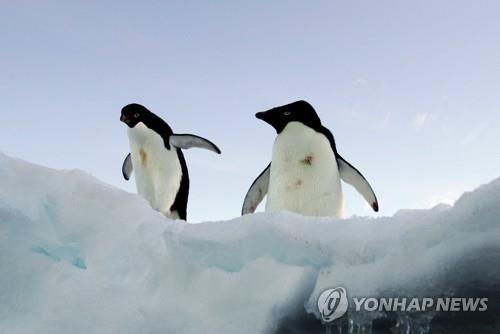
<point>305,171</point>
<point>156,158</point>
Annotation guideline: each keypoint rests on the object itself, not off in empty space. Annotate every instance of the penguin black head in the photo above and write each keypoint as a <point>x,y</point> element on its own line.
<point>133,114</point>
<point>299,111</point>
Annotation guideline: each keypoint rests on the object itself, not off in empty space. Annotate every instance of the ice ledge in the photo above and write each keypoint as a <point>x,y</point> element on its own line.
<point>107,255</point>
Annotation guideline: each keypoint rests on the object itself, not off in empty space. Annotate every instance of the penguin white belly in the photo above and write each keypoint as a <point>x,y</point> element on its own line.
<point>157,170</point>
<point>304,174</point>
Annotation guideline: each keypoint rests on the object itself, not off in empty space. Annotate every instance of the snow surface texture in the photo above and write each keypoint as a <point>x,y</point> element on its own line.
<point>80,256</point>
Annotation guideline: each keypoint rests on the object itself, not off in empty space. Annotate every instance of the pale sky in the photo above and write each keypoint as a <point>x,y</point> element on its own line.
<point>411,91</point>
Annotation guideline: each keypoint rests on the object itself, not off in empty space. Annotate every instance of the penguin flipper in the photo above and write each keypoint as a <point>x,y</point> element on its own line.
<point>186,141</point>
<point>352,176</point>
<point>127,167</point>
<point>257,191</point>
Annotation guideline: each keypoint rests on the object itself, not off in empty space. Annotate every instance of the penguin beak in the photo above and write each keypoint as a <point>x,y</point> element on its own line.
<point>266,116</point>
<point>123,119</point>
<point>270,117</point>
<point>261,115</point>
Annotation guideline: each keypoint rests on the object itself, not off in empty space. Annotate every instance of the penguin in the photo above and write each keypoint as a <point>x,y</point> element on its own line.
<point>161,173</point>
<point>306,170</point>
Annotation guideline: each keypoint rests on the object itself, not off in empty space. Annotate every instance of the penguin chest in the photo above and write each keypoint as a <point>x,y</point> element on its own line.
<point>304,174</point>
<point>157,170</point>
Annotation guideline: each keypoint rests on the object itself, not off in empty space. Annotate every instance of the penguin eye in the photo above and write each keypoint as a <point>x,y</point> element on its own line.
<point>287,113</point>
<point>136,115</point>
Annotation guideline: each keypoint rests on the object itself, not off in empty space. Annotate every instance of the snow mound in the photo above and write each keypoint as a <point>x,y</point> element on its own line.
<point>80,256</point>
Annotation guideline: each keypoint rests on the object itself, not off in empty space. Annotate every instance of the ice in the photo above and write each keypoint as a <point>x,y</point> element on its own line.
<point>80,256</point>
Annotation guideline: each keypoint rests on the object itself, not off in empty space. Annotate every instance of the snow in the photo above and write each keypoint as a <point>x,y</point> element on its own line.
<point>80,256</point>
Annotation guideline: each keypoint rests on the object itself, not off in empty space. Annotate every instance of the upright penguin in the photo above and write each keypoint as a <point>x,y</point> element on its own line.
<point>161,174</point>
<point>305,171</point>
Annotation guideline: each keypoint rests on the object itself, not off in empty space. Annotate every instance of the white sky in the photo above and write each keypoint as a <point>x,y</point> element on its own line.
<point>410,90</point>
